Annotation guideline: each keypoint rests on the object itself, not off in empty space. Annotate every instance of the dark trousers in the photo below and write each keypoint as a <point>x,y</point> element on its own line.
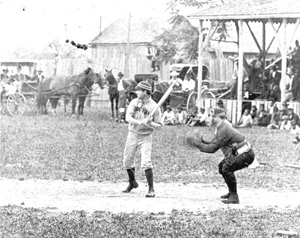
<point>228,166</point>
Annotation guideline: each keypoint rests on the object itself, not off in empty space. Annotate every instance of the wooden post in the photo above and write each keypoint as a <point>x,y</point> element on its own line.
<point>127,54</point>
<point>283,61</point>
<point>240,72</point>
<point>100,25</point>
<point>264,44</point>
<point>200,51</point>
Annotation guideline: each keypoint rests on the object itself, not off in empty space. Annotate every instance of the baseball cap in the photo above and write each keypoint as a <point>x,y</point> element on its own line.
<point>144,85</point>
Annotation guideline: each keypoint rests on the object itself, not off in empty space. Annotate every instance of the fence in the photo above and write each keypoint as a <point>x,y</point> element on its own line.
<point>231,106</point>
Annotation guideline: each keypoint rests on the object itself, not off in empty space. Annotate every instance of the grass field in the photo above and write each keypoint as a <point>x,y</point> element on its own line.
<point>91,148</point>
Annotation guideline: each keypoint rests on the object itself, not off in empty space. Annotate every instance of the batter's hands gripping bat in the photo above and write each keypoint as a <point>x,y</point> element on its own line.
<point>161,101</point>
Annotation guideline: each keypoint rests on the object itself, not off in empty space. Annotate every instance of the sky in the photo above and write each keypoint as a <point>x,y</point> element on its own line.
<point>32,24</point>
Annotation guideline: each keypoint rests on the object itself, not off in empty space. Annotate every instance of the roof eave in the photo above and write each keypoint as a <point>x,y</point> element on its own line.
<point>291,17</point>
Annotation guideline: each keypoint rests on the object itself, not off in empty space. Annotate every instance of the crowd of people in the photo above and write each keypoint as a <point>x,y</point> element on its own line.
<point>272,117</point>
<point>262,83</point>
<point>12,82</point>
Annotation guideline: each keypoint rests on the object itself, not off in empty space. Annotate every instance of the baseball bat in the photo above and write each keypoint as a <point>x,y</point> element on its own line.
<point>163,99</point>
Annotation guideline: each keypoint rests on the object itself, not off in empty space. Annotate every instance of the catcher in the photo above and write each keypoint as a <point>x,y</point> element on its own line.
<point>237,151</point>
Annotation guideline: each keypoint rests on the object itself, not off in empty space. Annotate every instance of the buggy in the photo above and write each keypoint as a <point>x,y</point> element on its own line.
<point>18,96</point>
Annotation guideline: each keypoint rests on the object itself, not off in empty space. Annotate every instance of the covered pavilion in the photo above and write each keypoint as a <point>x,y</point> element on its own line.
<point>241,12</point>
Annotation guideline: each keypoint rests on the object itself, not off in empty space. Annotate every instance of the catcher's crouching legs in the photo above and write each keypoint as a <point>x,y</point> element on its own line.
<point>132,183</point>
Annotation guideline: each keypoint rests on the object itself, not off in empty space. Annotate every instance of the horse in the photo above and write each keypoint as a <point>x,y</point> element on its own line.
<point>120,98</point>
<point>74,86</point>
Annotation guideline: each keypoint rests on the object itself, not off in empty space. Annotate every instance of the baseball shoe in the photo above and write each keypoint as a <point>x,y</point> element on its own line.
<point>132,185</point>
<point>151,194</point>
<point>226,196</point>
<point>233,199</point>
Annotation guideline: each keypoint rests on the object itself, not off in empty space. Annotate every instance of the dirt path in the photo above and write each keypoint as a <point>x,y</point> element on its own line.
<point>94,196</point>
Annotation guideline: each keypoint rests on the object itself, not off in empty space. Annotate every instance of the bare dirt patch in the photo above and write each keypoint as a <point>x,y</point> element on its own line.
<point>66,196</point>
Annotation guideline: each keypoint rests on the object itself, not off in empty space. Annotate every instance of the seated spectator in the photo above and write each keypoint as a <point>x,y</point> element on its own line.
<point>275,118</point>
<point>285,124</point>
<point>180,116</point>
<point>253,111</point>
<point>199,120</point>
<point>191,115</point>
<point>293,116</point>
<point>168,117</point>
<point>295,130</point>
<point>245,121</point>
<point>272,107</point>
<point>262,118</point>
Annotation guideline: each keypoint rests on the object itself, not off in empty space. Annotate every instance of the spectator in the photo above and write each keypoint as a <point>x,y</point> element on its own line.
<point>291,90</point>
<point>188,84</point>
<point>253,111</point>
<point>168,117</point>
<point>285,124</point>
<point>19,79</point>
<point>272,107</point>
<point>275,118</point>
<point>274,77</point>
<point>180,116</point>
<point>199,120</point>
<point>4,77</point>
<point>152,55</point>
<point>220,104</point>
<point>245,121</point>
<point>295,130</point>
<point>293,116</point>
<point>191,115</point>
<point>261,118</point>
<point>174,78</point>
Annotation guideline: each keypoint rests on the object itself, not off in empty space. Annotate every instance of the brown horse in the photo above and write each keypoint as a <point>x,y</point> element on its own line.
<point>75,86</point>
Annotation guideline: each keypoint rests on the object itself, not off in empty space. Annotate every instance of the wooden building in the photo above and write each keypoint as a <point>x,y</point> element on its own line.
<point>242,13</point>
<point>123,46</point>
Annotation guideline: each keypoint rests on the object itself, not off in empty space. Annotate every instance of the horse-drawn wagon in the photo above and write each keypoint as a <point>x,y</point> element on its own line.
<point>18,88</point>
<point>178,96</point>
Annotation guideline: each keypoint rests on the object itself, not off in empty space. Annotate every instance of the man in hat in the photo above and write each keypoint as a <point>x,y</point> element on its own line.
<point>40,76</point>
<point>19,78</point>
<point>124,88</point>
<point>237,152</point>
<point>177,81</point>
<point>141,126</point>
<point>4,77</point>
<point>275,77</point>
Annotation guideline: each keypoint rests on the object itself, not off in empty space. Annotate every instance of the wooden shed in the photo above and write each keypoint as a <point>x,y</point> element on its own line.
<point>242,13</point>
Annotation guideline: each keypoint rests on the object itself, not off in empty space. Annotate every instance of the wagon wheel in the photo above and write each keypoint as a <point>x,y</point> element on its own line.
<point>205,93</point>
<point>191,101</point>
<point>16,104</point>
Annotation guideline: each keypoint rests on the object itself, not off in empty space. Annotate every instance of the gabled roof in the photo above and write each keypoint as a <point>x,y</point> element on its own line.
<point>252,10</point>
<point>142,30</point>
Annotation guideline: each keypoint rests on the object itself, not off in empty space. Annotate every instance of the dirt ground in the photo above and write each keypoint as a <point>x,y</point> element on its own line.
<point>66,196</point>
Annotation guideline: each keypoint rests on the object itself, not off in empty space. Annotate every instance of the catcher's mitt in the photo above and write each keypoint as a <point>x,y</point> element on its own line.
<point>188,140</point>
<point>193,139</point>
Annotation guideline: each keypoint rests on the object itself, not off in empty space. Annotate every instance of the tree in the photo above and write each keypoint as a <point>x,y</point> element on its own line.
<point>182,39</point>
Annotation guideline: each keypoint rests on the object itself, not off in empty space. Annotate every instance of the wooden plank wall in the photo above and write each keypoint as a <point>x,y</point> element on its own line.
<point>231,107</point>
<point>112,56</point>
